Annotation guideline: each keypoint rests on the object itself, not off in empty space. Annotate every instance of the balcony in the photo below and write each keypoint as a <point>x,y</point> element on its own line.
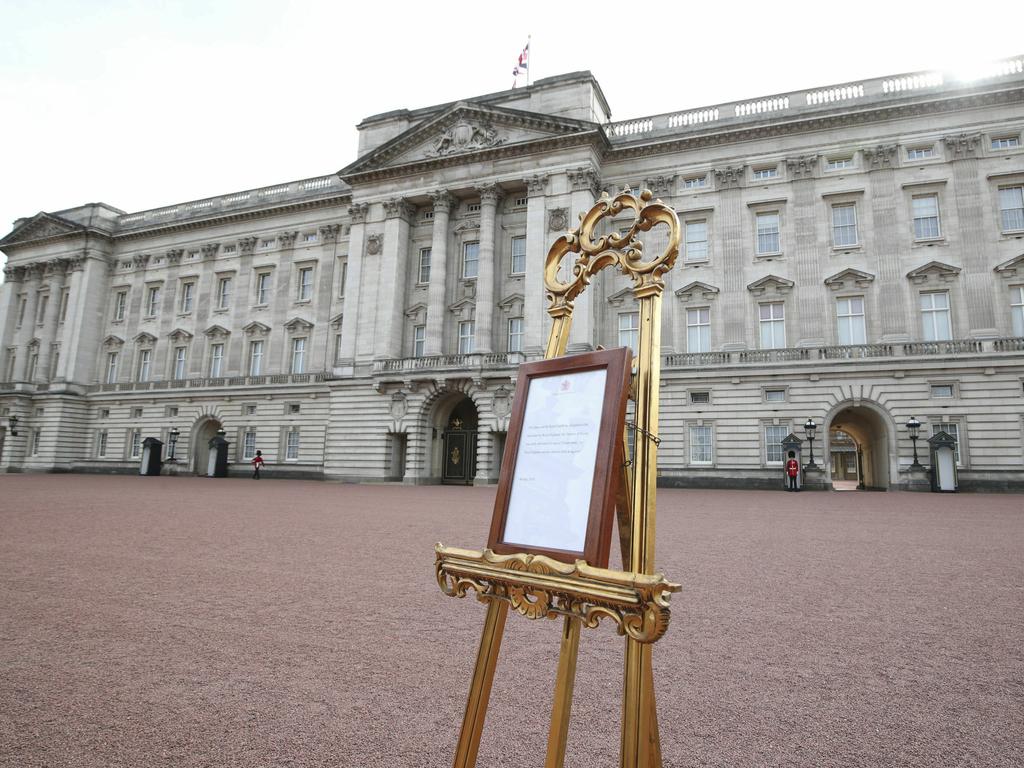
<point>274,379</point>
<point>470,363</point>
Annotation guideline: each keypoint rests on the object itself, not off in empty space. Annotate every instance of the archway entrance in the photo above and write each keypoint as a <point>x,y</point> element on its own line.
<point>859,449</point>
<point>458,442</point>
<point>202,433</point>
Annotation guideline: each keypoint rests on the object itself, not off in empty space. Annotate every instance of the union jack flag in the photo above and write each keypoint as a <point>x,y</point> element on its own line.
<point>524,61</point>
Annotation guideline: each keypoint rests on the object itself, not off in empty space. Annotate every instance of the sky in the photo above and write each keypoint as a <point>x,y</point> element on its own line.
<point>140,105</point>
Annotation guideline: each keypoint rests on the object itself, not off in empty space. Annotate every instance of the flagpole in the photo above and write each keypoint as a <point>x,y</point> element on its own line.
<point>529,59</point>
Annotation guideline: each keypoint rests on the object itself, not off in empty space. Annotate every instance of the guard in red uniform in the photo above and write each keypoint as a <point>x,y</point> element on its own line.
<point>792,469</point>
<point>257,463</point>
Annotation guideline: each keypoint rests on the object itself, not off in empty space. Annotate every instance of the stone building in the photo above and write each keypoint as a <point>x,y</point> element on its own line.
<point>852,254</point>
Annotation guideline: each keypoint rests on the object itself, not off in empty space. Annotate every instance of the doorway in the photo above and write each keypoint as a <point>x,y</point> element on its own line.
<point>202,433</point>
<point>843,461</point>
<point>458,444</point>
<point>859,449</point>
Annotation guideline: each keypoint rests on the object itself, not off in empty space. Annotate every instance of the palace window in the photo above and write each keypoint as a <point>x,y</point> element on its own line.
<point>309,237</point>
<point>65,295</point>
<point>419,339</point>
<point>1011,208</point>
<point>700,398</point>
<point>760,174</point>
<point>921,153</point>
<point>120,305</point>
<point>768,240</point>
<point>943,390</point>
<point>152,301</point>
<point>44,299</point>
<point>12,360</point>
<point>772,320</point>
<point>21,309</point>
<point>291,448</point>
<point>294,408</point>
<point>695,182</point>
<point>262,288</point>
<point>629,330</point>
<point>935,320</point>
<point>1006,142</point>
<point>926,217</point>
<point>135,450</point>
<point>299,355</point>
<point>305,284</point>
<point>518,255</point>
<point>33,362</point>
<point>774,434</point>
<point>698,330</point>
<point>337,345</point>
<point>216,360</point>
<point>466,337</point>
<point>838,163</point>
<point>850,316</point>
<point>101,444</point>
<point>423,273</point>
<point>515,334</point>
<point>844,225</point>
<point>341,279</point>
<point>187,295</point>
<point>180,358</point>
<point>223,292</point>
<point>470,260</point>
<point>249,444</point>
<point>145,360</point>
<point>267,242</point>
<point>37,435</point>
<point>701,444</point>
<point>256,358</point>
<point>953,430</point>
<point>775,395</point>
<point>228,248</point>
<point>695,246</point>
<point>1017,309</point>
<point>112,367</point>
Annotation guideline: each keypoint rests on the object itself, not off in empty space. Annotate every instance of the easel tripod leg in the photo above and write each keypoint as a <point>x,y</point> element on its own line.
<point>480,688</point>
<point>565,682</point>
<point>637,707</point>
<point>654,760</point>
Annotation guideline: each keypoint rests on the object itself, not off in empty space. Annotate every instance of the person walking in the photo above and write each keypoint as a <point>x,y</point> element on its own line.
<point>792,469</point>
<point>257,462</point>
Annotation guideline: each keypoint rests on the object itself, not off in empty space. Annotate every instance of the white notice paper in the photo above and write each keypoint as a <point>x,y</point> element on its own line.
<point>549,504</point>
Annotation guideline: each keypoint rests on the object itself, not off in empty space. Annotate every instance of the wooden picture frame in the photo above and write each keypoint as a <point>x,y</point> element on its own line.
<point>563,458</point>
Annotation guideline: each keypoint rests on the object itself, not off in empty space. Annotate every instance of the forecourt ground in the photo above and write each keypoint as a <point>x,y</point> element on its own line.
<point>197,622</point>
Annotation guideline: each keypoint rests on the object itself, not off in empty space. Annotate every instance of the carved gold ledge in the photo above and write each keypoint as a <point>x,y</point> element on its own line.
<point>537,586</point>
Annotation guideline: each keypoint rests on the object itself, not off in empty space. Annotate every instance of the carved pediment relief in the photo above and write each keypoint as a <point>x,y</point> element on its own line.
<point>464,136</point>
<point>619,298</point>
<point>113,341</point>
<point>933,271</point>
<point>463,308</point>
<point>1012,268</point>
<point>417,313</point>
<point>336,321</point>
<point>298,324</point>
<point>771,284</point>
<point>145,339</point>
<point>512,305</point>
<point>849,278</point>
<point>179,334</point>
<point>256,329</point>
<point>696,290</point>
<point>40,226</point>
<point>217,332</point>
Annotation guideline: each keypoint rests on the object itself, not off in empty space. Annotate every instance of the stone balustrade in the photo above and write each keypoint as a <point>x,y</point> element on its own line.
<point>210,383</point>
<point>468,362</point>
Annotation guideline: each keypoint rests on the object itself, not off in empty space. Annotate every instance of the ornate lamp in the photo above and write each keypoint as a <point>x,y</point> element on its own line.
<point>12,422</point>
<point>810,428</point>
<point>172,440</point>
<point>914,428</point>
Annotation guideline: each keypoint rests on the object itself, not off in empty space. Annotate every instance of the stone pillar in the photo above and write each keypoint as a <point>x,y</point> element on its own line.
<point>972,217</point>
<point>353,285</point>
<point>437,290</point>
<point>279,343</point>
<point>394,268</point>
<point>534,303</point>
<point>736,251</point>
<point>236,360</point>
<point>9,311</point>
<point>489,198</point>
<point>889,244</point>
<point>484,456</point>
<point>84,325</point>
<point>807,315</point>
<point>33,284</point>
<point>585,185</point>
<point>55,271</point>
<point>322,341</point>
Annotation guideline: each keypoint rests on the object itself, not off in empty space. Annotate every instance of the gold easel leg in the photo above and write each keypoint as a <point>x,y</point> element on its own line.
<point>655,747</point>
<point>565,683</point>
<point>480,688</point>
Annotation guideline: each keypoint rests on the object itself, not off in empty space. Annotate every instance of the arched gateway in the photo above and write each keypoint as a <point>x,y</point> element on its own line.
<point>456,421</point>
<point>861,446</point>
<point>202,433</point>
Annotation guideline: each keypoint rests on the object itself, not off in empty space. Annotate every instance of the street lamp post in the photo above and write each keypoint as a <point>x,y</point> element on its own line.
<point>914,428</point>
<point>172,440</point>
<point>12,422</point>
<point>810,428</point>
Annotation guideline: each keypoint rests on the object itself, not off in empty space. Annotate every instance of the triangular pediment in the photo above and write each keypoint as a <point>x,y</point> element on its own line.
<point>620,297</point>
<point>466,128</point>
<point>849,278</point>
<point>298,324</point>
<point>696,290</point>
<point>337,320</point>
<point>416,310</point>
<point>770,283</point>
<point>216,332</point>
<point>39,227</point>
<point>113,341</point>
<point>465,301</point>
<point>512,304</point>
<point>256,328</point>
<point>933,271</point>
<point>179,334</point>
<point>145,338</point>
<point>1012,268</point>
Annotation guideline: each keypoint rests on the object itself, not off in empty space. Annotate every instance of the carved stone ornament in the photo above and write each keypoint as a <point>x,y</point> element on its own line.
<point>464,136</point>
<point>490,194</point>
<point>962,147</point>
<point>174,255</point>
<point>661,185</point>
<point>329,233</point>
<point>374,243</point>
<point>76,264</point>
<point>12,274</point>
<point>358,212</point>
<point>210,250</point>
<point>399,406</point>
<point>398,208</point>
<point>247,244</point>
<point>286,239</point>
<point>802,167</point>
<point>730,177</point>
<point>140,260</point>
<point>933,271</point>
<point>771,284</point>
<point>882,156</point>
<point>558,220</point>
<point>538,587</point>
<point>537,184</point>
<point>442,200</point>
<point>502,403</point>
<point>584,179</point>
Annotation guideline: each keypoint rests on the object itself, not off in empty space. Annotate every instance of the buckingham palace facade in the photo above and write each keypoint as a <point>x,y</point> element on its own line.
<point>853,254</point>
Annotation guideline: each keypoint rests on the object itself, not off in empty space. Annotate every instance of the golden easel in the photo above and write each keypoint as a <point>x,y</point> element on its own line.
<point>537,586</point>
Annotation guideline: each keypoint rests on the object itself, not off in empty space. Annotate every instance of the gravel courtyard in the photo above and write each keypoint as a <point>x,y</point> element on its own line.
<point>197,622</point>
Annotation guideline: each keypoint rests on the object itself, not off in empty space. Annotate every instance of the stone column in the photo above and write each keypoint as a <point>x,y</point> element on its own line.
<point>807,315</point>
<point>889,244</point>
<point>322,352</point>
<point>84,325</point>
<point>489,198</point>
<point>353,287</point>
<point>55,270</point>
<point>585,185</point>
<point>437,292</point>
<point>394,268</point>
<point>736,251</point>
<point>236,361</point>
<point>969,195</point>
<point>278,345</point>
<point>534,303</point>
<point>33,284</point>
<point>8,312</point>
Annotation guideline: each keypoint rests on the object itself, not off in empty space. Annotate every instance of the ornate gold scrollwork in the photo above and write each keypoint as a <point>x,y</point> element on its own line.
<point>619,249</point>
<point>539,587</point>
